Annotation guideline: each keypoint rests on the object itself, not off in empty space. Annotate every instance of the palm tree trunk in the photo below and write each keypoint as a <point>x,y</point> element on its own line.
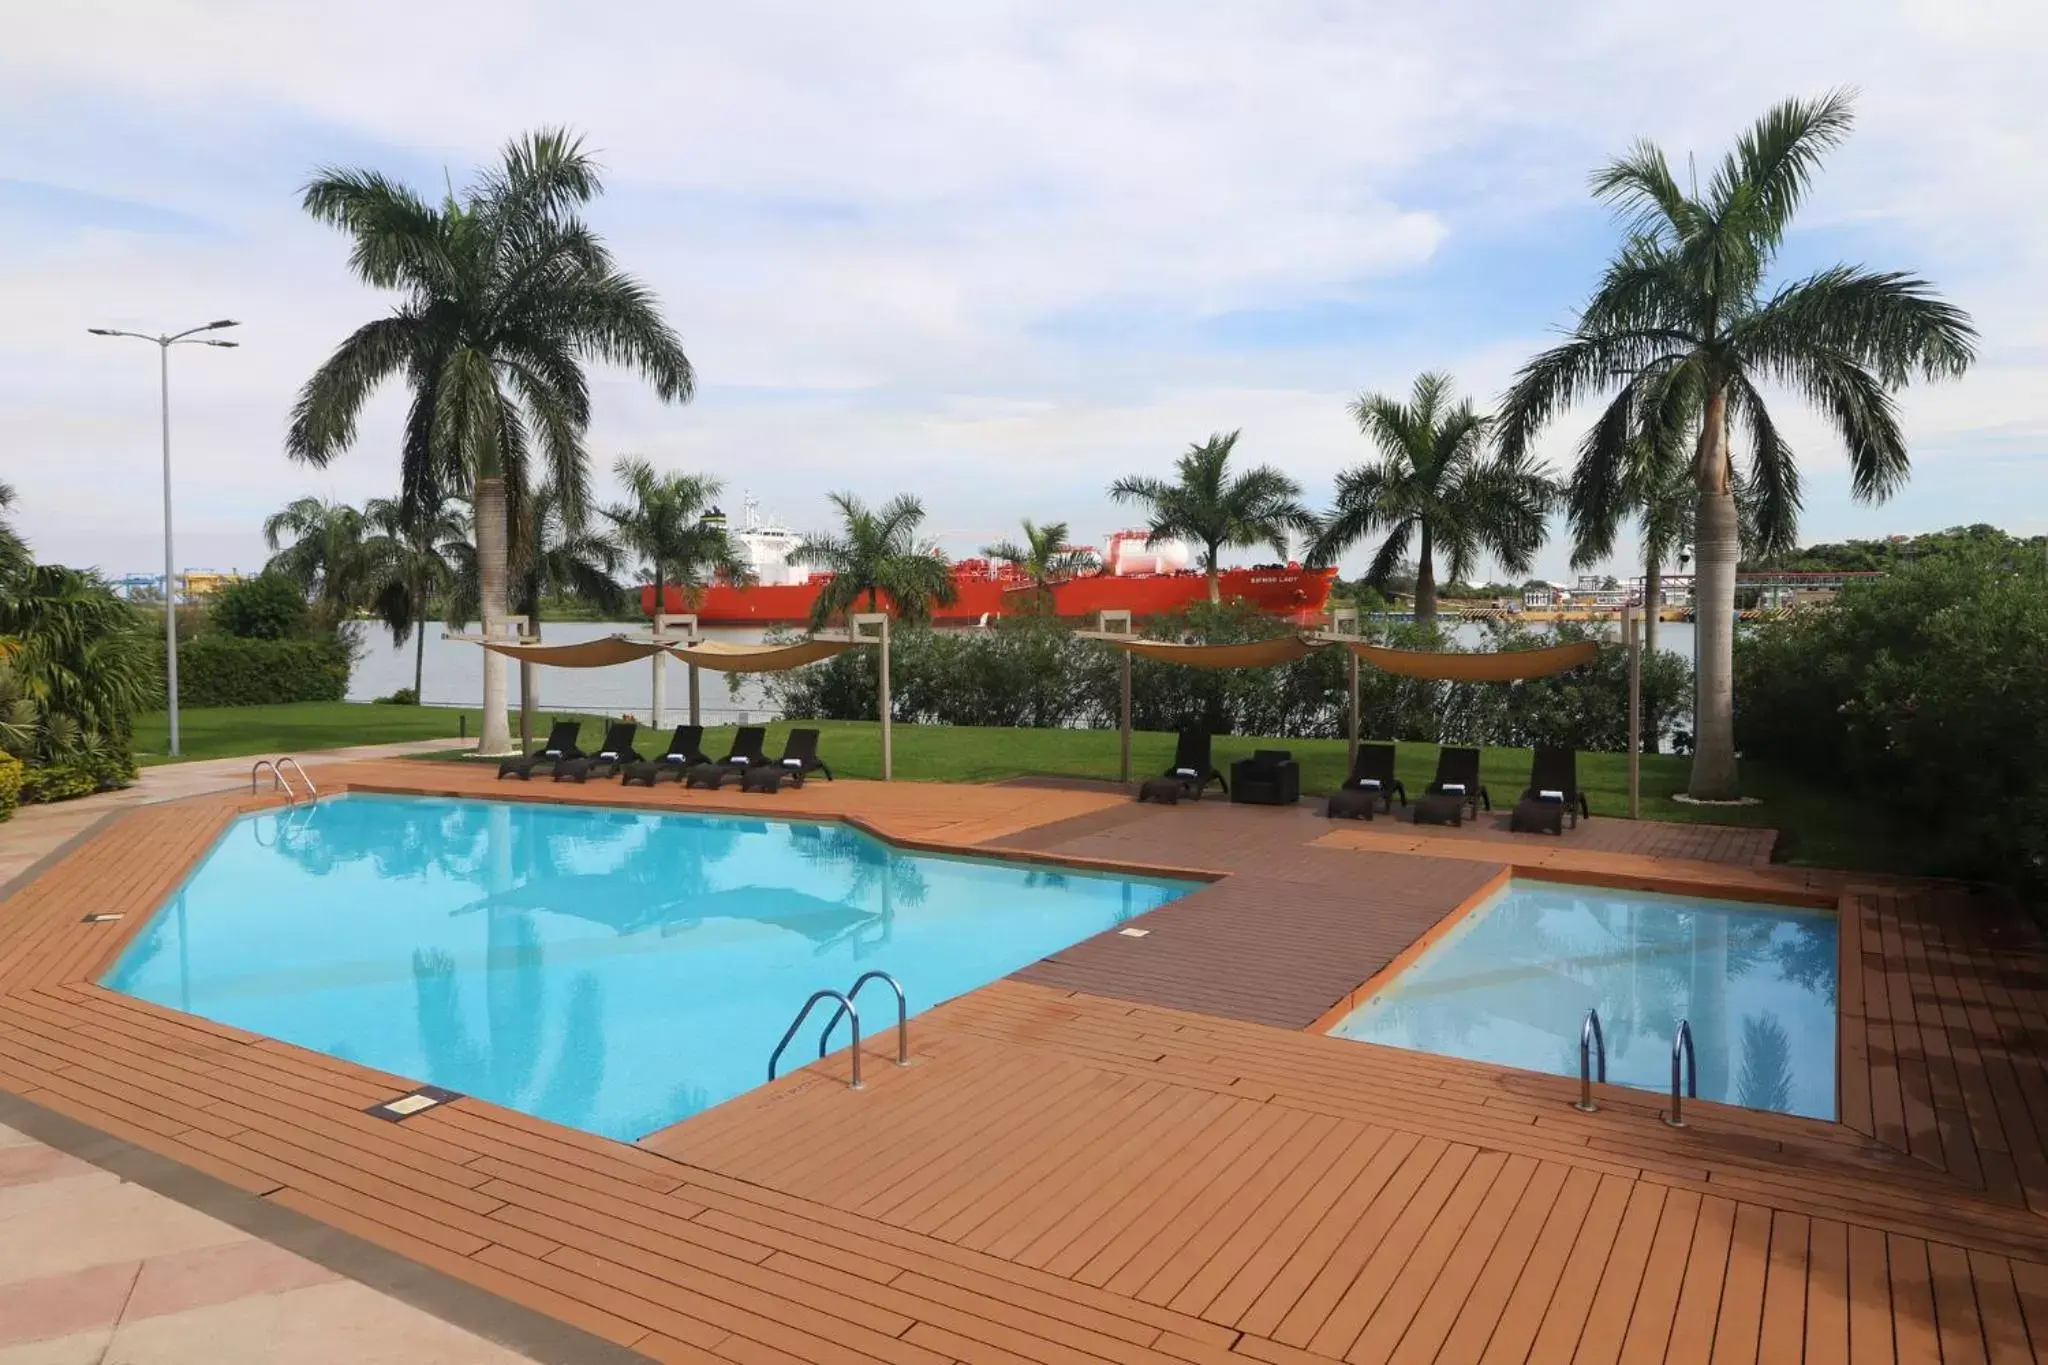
<point>1653,596</point>
<point>419,656</point>
<point>1215,589</point>
<point>1425,582</point>
<point>494,736</point>
<point>1713,758</point>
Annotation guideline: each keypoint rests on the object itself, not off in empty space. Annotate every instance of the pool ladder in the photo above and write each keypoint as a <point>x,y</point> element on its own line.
<point>278,780</point>
<point>1593,1054</point>
<point>848,1011</point>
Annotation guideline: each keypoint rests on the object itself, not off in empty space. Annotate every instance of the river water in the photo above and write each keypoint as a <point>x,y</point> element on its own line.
<point>454,675</point>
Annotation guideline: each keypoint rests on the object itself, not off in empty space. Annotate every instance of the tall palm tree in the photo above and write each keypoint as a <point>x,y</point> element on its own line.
<point>504,296</point>
<point>1045,558</point>
<point>663,521</point>
<point>1434,491</point>
<point>554,555</point>
<point>1207,505</point>
<point>325,548</point>
<point>14,557</point>
<point>413,569</point>
<point>876,551</point>
<point>1683,332</point>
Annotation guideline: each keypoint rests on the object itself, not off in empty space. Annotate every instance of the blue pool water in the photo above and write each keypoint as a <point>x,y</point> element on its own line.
<point>615,971</point>
<point>1511,984</point>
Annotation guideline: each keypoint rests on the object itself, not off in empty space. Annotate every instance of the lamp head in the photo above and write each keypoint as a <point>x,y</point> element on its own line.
<point>219,323</point>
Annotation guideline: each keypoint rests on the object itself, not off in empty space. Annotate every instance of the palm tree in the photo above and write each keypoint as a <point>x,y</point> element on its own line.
<point>876,551</point>
<point>553,556</point>
<point>1204,504</point>
<point>505,295</point>
<point>1436,491</point>
<point>324,547</point>
<point>413,569</point>
<point>14,557</point>
<point>663,520</point>
<point>1045,558</point>
<point>77,667</point>
<point>1683,327</point>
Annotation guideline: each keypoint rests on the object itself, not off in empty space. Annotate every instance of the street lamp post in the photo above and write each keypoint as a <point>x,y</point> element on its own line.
<point>190,336</point>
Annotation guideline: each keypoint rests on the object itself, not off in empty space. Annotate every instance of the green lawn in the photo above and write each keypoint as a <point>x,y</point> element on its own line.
<point>1823,827</point>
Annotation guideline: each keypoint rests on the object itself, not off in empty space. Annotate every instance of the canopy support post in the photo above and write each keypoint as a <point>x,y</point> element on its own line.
<point>695,717</point>
<point>1343,626</point>
<point>1119,623</point>
<point>856,628</point>
<point>1630,618</point>
<point>662,621</point>
<point>1351,669</point>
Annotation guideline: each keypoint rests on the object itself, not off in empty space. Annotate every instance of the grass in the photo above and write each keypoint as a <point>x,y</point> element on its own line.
<point>1820,826</point>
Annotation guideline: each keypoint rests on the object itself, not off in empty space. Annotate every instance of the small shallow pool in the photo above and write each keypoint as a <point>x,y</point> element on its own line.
<point>1511,984</point>
<point>615,971</point>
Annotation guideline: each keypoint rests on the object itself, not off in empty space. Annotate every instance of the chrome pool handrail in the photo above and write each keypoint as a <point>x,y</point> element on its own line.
<point>1592,1043</point>
<point>902,1015</point>
<point>278,768</point>
<point>852,1014</point>
<point>1681,1045</point>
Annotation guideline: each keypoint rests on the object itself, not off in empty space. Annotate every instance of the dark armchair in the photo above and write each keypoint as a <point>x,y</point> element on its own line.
<point>1269,777</point>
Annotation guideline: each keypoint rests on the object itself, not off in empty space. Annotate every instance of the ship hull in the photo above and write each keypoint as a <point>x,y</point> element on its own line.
<point>1295,593</point>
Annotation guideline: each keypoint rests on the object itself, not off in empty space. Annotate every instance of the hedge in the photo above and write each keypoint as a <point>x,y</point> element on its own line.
<point>11,777</point>
<point>228,670</point>
<point>81,775</point>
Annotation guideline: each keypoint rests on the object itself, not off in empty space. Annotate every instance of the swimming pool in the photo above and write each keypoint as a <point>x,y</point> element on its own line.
<point>611,970</point>
<point>1512,981</point>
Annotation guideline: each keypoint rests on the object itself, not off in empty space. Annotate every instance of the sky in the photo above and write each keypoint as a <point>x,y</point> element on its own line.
<point>993,255</point>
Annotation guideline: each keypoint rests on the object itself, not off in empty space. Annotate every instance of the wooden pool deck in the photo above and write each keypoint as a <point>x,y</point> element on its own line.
<point>1140,1150</point>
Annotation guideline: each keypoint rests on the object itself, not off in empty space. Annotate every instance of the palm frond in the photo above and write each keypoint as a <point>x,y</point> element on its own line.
<point>1891,322</point>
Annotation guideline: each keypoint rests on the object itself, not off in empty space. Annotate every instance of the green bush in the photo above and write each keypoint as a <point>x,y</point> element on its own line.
<point>57,782</point>
<point>230,670</point>
<point>11,778</point>
<point>1922,691</point>
<point>1034,672</point>
<point>267,607</point>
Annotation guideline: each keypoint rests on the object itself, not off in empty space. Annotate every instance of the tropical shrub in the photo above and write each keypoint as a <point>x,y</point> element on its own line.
<point>11,776</point>
<point>232,670</point>
<point>76,665</point>
<point>1922,691</point>
<point>267,607</point>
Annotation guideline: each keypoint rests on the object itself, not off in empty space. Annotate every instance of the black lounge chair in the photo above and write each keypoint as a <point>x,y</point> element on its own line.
<point>561,744</point>
<point>1270,777</point>
<point>1372,772</point>
<point>1192,765</point>
<point>616,752</point>
<point>800,755</point>
<point>1457,774</point>
<point>1554,778</point>
<point>747,748</point>
<point>685,751</point>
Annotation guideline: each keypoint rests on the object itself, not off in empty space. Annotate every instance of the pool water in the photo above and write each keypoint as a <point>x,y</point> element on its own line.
<point>1511,984</point>
<point>615,971</point>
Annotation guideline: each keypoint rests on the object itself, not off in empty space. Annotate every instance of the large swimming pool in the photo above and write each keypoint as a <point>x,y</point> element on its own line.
<point>1512,981</point>
<point>615,971</point>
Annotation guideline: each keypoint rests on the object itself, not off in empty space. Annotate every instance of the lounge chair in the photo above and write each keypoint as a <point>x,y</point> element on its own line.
<point>1373,772</point>
<point>1554,778</point>
<point>561,744</point>
<point>800,755</point>
<point>1270,777</point>
<point>747,748</point>
<point>615,753</point>
<point>685,750</point>
<point>1192,766</point>
<point>1457,774</point>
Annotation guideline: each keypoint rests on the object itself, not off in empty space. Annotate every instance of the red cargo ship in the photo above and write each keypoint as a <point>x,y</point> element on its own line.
<point>1145,581</point>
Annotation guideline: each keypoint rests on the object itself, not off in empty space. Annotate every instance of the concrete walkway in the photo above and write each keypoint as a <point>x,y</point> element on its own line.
<point>37,831</point>
<point>94,1269</point>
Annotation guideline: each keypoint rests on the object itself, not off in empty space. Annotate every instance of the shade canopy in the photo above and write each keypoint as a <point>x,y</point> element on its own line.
<point>726,657</point>
<point>1505,665</point>
<point>612,649</point>
<point>1257,654</point>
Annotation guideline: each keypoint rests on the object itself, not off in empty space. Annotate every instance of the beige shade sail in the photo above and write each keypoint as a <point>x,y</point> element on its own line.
<point>612,649</point>
<point>1506,665</point>
<point>1258,654</point>
<point>726,657</point>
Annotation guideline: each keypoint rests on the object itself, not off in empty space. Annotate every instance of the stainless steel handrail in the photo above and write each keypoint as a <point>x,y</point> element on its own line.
<point>278,768</point>
<point>1592,1043</point>
<point>805,1013</point>
<point>257,767</point>
<point>902,1015</point>
<point>1681,1043</point>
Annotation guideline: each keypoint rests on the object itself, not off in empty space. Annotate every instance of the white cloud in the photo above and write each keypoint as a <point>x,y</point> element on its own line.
<point>903,243</point>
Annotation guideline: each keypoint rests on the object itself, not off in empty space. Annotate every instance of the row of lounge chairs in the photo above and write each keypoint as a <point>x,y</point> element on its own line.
<point>1552,796</point>
<point>684,759</point>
